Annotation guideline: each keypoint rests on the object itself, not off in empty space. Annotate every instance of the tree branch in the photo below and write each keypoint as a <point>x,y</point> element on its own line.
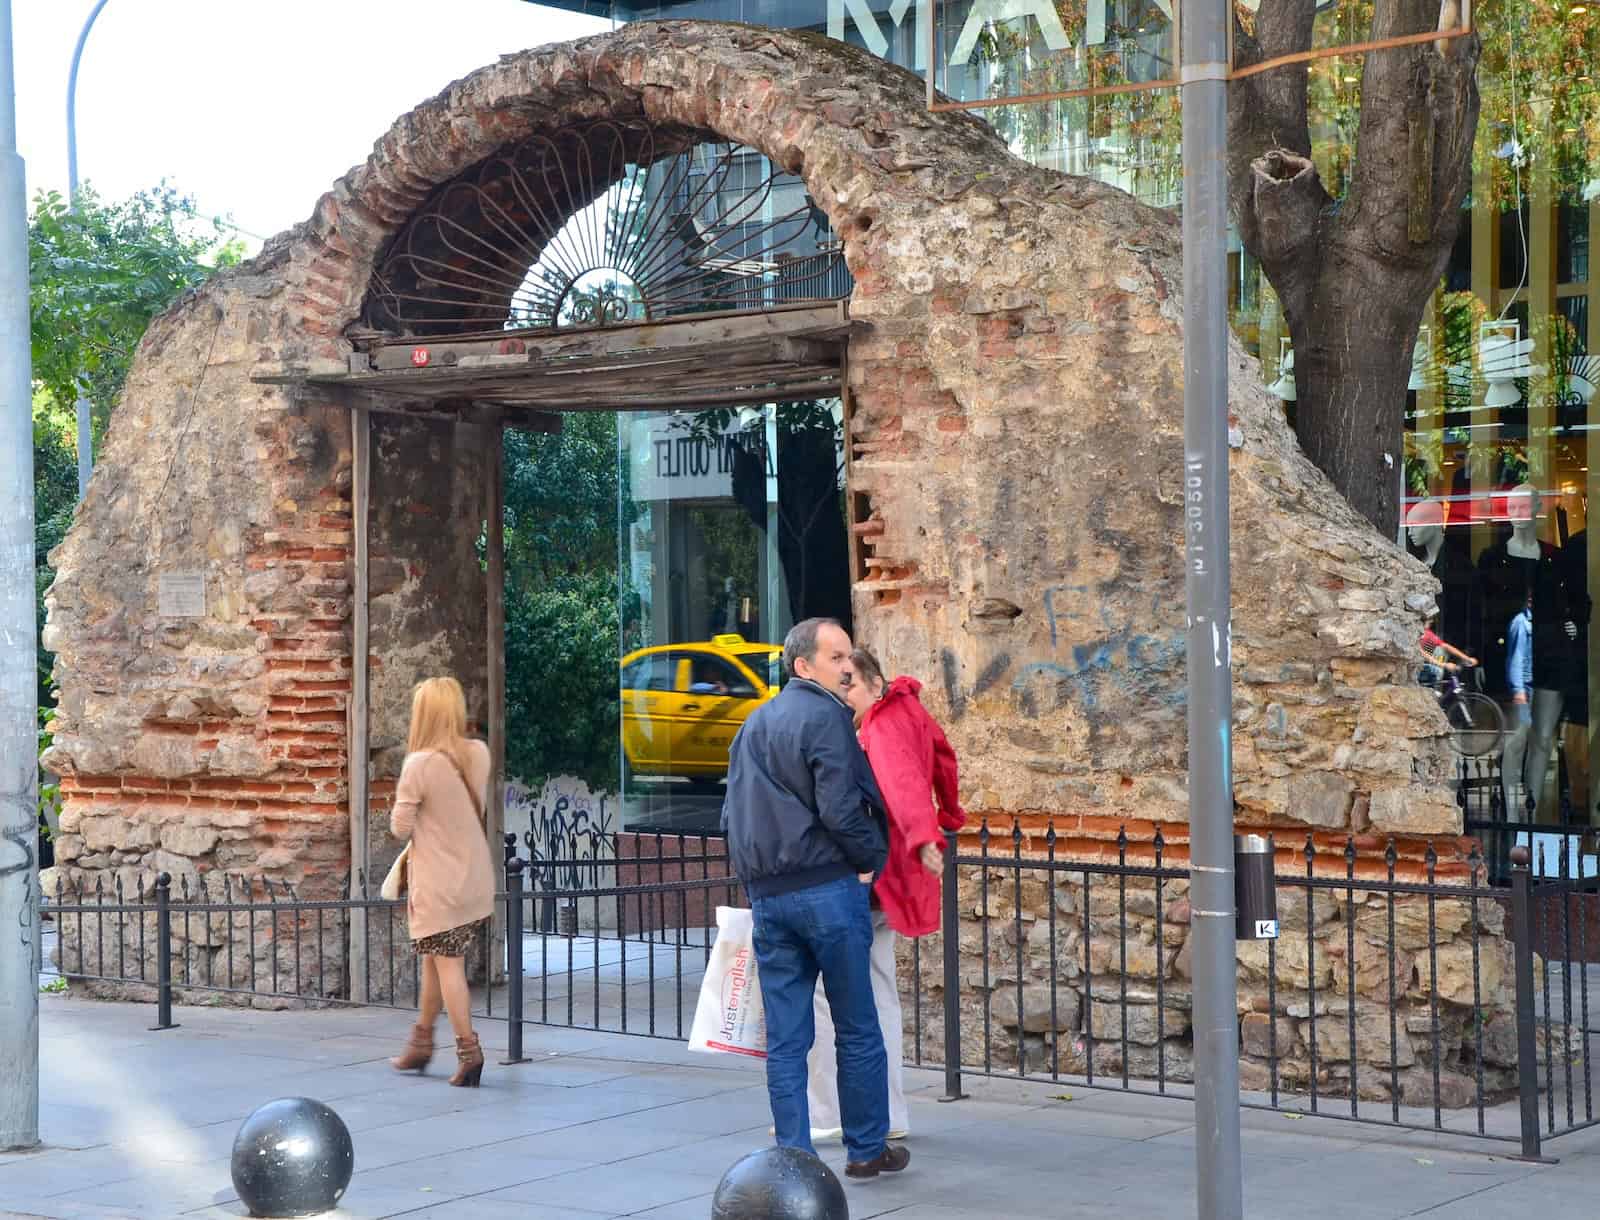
<point>1286,203</point>
<point>1413,154</point>
<point>1268,111</point>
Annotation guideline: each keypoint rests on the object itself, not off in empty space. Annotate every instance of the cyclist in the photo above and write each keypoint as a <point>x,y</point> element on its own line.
<point>1436,652</point>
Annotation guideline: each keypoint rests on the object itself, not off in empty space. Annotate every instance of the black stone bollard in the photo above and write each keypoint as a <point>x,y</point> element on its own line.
<point>779,1184</point>
<point>292,1157</point>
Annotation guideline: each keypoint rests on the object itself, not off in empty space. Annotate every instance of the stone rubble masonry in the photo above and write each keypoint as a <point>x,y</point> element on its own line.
<point>1101,982</point>
<point>1015,478</point>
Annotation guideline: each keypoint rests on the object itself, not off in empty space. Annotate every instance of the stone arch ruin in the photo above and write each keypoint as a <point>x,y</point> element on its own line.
<point>1014,434</point>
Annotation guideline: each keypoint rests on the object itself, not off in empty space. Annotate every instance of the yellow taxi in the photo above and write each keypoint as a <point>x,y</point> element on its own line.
<point>683,703</point>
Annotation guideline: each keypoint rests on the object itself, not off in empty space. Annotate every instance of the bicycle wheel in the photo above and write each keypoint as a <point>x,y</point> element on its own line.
<point>1477,724</point>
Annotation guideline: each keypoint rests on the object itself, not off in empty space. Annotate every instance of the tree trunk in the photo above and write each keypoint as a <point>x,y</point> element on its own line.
<point>1349,409</point>
<point>1355,273</point>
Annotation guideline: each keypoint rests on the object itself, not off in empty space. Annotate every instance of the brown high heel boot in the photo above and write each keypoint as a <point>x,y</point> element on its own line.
<point>419,1050</point>
<point>469,1062</point>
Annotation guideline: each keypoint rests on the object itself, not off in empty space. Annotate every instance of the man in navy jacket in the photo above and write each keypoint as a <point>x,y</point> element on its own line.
<point>804,821</point>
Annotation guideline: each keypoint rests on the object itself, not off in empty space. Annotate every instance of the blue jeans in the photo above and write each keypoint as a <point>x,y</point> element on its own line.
<point>826,929</point>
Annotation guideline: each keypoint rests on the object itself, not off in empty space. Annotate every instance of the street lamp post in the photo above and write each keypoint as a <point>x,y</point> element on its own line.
<point>85,418</point>
<point>19,768</point>
<point>1204,38</point>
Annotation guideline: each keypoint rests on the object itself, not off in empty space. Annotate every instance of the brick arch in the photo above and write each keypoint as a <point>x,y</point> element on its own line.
<point>780,93</point>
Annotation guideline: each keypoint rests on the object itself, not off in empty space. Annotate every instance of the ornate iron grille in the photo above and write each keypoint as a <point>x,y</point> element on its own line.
<point>603,224</point>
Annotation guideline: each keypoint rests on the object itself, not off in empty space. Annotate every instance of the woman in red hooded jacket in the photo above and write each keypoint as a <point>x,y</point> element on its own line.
<point>916,772</point>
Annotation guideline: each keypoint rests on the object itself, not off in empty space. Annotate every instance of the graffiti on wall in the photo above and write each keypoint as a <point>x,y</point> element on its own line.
<point>1096,661</point>
<point>567,829</point>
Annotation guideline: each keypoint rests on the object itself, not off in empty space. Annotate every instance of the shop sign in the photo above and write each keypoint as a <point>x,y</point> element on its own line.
<point>673,459</point>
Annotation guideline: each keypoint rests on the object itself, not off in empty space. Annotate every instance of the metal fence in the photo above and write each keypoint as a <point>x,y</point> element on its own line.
<point>1482,794</point>
<point>1419,1004</point>
<point>581,952</point>
<point>1413,1001</point>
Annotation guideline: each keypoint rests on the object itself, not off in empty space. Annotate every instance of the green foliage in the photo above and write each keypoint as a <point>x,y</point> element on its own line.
<point>49,792</point>
<point>561,502</point>
<point>562,637</point>
<point>55,494</point>
<point>98,274</point>
<point>561,680</point>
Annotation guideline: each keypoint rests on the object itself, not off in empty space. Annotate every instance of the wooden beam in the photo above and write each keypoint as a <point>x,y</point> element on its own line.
<point>670,399</point>
<point>458,377</point>
<point>494,511</point>
<point>357,751</point>
<point>726,323</point>
<point>826,324</point>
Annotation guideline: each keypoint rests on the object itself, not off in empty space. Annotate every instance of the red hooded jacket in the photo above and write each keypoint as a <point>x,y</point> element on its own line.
<point>914,764</point>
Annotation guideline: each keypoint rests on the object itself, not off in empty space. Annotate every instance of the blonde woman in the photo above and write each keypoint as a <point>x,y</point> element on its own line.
<point>438,805</point>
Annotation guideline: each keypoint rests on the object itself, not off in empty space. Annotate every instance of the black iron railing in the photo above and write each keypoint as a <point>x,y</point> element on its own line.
<point>1419,999</point>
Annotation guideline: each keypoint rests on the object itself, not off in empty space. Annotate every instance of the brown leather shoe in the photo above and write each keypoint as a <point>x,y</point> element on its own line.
<point>469,1062</point>
<point>892,1159</point>
<point>419,1050</point>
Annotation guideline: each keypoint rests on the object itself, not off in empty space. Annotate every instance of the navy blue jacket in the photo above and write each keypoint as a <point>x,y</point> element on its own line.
<point>802,807</point>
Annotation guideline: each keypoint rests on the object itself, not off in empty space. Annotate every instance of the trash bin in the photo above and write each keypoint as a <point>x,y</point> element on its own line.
<point>1255,892</point>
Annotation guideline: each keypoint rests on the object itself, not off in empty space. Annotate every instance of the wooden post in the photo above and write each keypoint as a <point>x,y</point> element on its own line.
<point>495,650</point>
<point>358,755</point>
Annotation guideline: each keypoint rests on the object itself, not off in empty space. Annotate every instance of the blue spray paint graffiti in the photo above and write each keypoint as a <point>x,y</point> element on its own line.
<point>1121,660</point>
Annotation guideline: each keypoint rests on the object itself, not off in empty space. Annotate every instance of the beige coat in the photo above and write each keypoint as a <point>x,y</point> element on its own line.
<point>452,873</point>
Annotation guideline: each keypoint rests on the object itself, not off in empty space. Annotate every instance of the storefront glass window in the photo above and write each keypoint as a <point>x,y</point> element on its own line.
<point>734,531</point>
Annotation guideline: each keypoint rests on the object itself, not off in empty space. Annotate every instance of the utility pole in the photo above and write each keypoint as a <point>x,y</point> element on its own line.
<point>1204,39</point>
<point>19,691</point>
<point>85,414</point>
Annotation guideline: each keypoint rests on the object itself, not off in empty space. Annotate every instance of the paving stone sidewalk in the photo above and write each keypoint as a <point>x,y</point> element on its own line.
<point>139,1124</point>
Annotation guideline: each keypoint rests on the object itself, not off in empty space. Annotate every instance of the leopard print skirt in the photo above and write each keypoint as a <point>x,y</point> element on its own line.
<point>456,942</point>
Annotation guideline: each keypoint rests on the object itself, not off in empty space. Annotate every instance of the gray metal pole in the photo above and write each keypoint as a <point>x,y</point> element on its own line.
<point>19,691</point>
<point>85,417</point>
<point>1204,40</point>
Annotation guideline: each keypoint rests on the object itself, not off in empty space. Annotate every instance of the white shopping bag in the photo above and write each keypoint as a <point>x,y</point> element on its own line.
<point>729,1016</point>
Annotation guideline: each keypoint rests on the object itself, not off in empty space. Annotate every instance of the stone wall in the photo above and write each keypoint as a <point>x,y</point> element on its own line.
<point>1108,956</point>
<point>1014,469</point>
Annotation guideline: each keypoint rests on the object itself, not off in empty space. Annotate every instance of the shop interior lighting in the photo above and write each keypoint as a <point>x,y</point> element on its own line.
<point>1583,372</point>
<point>1421,356</point>
<point>1283,387</point>
<point>1502,359</point>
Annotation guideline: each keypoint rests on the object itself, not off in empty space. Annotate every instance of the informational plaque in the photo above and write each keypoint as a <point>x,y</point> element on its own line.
<point>182,594</point>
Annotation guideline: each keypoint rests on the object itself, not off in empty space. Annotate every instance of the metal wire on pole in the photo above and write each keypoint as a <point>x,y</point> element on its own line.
<point>19,692</point>
<point>85,415</point>
<point>1204,38</point>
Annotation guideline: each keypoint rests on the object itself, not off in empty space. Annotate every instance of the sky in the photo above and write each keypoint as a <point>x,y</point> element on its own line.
<point>252,107</point>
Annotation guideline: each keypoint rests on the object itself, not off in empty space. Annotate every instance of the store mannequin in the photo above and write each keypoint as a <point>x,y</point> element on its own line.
<point>1511,572</point>
<point>1448,557</point>
<point>1425,528</point>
